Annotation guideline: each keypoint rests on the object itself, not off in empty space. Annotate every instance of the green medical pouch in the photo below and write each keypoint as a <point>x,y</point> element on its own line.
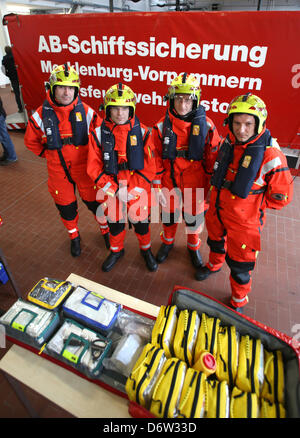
<point>217,399</point>
<point>79,347</point>
<point>273,385</point>
<point>167,391</point>
<point>164,329</point>
<point>29,323</point>
<point>186,335</point>
<point>250,373</point>
<point>192,400</point>
<point>140,384</point>
<point>227,354</point>
<point>207,336</point>
<point>243,404</point>
<point>272,410</point>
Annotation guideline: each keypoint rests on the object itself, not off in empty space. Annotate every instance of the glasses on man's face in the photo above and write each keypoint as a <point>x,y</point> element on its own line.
<point>183,99</point>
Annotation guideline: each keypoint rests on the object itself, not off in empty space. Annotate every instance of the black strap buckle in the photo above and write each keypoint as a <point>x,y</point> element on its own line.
<point>181,154</point>
<point>123,165</point>
<point>226,184</point>
<point>66,140</point>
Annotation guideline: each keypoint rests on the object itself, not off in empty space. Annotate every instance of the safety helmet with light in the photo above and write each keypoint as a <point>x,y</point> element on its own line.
<point>185,83</point>
<point>248,104</point>
<point>120,95</point>
<point>64,75</point>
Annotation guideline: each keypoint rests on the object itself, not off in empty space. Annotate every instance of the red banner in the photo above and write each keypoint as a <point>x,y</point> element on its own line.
<point>231,53</point>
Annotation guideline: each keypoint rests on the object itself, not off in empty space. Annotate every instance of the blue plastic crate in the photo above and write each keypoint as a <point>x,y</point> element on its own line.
<point>3,275</point>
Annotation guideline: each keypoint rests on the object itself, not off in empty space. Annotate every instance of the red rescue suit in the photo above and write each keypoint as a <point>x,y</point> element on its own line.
<point>234,223</point>
<point>190,176</point>
<point>66,162</point>
<point>137,179</point>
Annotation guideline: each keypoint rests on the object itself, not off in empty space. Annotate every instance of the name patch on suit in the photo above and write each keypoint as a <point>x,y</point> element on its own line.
<point>133,140</point>
<point>246,161</point>
<point>78,117</point>
<point>196,129</point>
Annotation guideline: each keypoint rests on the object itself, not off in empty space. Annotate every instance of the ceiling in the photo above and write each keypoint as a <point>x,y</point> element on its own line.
<point>84,6</point>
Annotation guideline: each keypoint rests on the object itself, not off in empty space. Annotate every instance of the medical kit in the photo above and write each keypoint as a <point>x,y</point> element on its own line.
<point>49,292</point>
<point>91,309</point>
<point>79,347</point>
<point>29,323</point>
<point>239,368</point>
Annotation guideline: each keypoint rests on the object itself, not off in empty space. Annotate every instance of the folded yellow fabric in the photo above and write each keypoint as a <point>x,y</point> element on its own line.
<point>167,391</point>
<point>164,329</point>
<point>273,385</point>
<point>186,335</point>
<point>192,400</point>
<point>207,336</point>
<point>250,373</point>
<point>272,410</point>
<point>227,354</point>
<point>243,404</point>
<point>217,399</point>
<point>144,375</point>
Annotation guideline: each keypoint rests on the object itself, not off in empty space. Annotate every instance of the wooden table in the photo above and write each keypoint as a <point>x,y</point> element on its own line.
<point>73,393</point>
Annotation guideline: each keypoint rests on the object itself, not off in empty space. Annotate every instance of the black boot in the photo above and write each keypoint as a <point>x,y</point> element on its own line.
<point>196,258</point>
<point>203,272</point>
<point>111,260</point>
<point>163,252</point>
<point>149,259</point>
<point>106,240</point>
<point>75,247</point>
<point>238,309</point>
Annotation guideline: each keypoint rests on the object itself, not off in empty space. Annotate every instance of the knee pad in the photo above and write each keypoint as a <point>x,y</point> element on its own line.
<point>216,245</point>
<point>92,206</point>
<point>68,212</point>
<point>240,270</point>
<point>241,278</point>
<point>116,228</point>
<point>141,228</point>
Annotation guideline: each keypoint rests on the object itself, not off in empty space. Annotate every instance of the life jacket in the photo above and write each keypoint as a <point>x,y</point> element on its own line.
<point>78,122</point>
<point>248,167</point>
<point>196,140</point>
<point>134,149</point>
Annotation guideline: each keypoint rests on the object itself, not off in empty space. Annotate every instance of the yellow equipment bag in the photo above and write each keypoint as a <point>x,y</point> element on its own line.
<point>227,354</point>
<point>167,391</point>
<point>49,293</point>
<point>164,329</point>
<point>207,336</point>
<point>192,400</point>
<point>243,404</point>
<point>144,375</point>
<point>250,373</point>
<point>272,410</point>
<point>186,335</point>
<point>273,385</point>
<point>217,399</point>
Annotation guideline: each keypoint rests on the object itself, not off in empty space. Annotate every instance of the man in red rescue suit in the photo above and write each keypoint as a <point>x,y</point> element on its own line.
<point>251,174</point>
<point>186,143</point>
<point>121,163</point>
<point>59,131</point>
